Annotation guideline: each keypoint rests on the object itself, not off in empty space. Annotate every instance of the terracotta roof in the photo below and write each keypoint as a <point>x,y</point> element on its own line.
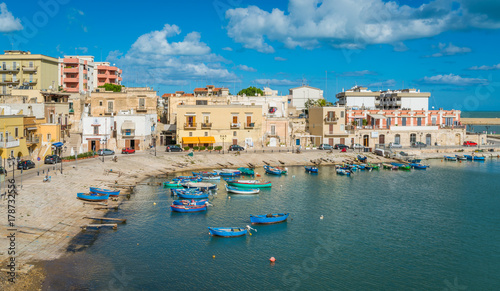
<point>167,95</point>
<point>217,89</point>
<point>200,89</point>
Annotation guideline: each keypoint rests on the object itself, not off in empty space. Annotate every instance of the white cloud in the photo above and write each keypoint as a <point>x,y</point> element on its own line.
<point>358,73</point>
<point>450,50</point>
<point>227,49</point>
<point>159,61</point>
<point>246,68</point>
<point>384,84</point>
<point>8,22</point>
<point>452,79</point>
<point>276,82</point>
<point>83,49</point>
<point>351,24</point>
<point>485,68</point>
<point>279,59</point>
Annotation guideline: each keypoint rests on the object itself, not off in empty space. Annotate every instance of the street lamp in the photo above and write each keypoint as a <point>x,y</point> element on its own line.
<point>420,144</point>
<point>12,162</point>
<point>223,137</point>
<point>154,144</point>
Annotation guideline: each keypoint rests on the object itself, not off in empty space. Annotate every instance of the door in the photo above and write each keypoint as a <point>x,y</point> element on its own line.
<point>330,128</point>
<point>397,139</point>
<point>366,140</point>
<point>127,143</point>
<point>249,120</point>
<point>273,130</point>
<point>330,141</point>
<point>381,139</point>
<point>132,144</point>
<point>235,141</point>
<point>235,119</point>
<point>342,140</point>
<point>428,139</point>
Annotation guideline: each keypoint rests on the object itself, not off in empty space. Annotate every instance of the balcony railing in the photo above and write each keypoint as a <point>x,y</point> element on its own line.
<point>250,125</point>
<point>190,125</point>
<point>9,144</point>
<point>33,140</point>
<point>69,70</point>
<point>141,109</point>
<point>9,68</point>
<point>206,125</point>
<point>330,133</point>
<point>235,125</point>
<point>331,119</point>
<point>30,69</point>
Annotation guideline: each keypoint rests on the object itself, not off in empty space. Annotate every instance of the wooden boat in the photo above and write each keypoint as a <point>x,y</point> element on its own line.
<point>415,161</point>
<point>172,184</point>
<point>185,191</point>
<point>246,171</point>
<point>311,169</point>
<point>214,177</point>
<point>341,171</point>
<point>204,174</point>
<point>200,185</point>
<point>112,193</point>
<point>362,166</point>
<point>477,158</point>
<point>389,167</point>
<point>249,183</point>
<point>468,157</point>
<point>361,158</point>
<point>187,178</point>
<point>450,158</point>
<point>461,157</point>
<point>228,231</point>
<point>374,166</point>
<point>401,166</point>
<point>268,218</point>
<point>193,195</point>
<point>418,166</point>
<point>91,196</point>
<point>188,208</point>
<point>237,190</point>
<point>190,202</point>
<point>228,172</point>
<point>275,170</point>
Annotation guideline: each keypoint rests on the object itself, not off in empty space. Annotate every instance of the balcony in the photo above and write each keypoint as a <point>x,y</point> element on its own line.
<point>6,81</point>
<point>377,102</point>
<point>141,109</point>
<point>71,80</point>
<point>32,140</point>
<point>235,125</point>
<point>112,76</point>
<point>250,125</point>
<point>128,133</point>
<point>206,125</point>
<point>30,69</point>
<point>331,119</point>
<point>9,144</point>
<point>272,134</point>
<point>32,81</point>
<point>9,69</point>
<point>190,125</point>
<point>330,133</point>
<point>70,70</point>
<point>398,103</point>
<point>102,76</point>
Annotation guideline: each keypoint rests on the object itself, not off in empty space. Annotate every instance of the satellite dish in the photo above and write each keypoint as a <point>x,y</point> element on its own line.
<point>50,87</point>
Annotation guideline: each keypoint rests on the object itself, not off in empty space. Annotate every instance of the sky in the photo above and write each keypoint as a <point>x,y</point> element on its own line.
<point>447,47</point>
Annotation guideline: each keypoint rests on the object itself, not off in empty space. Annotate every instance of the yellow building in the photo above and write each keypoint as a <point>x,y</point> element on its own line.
<point>327,125</point>
<point>12,141</point>
<point>140,100</point>
<point>21,68</point>
<point>214,125</point>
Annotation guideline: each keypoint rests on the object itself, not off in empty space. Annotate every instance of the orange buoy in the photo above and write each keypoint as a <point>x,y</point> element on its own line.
<point>258,175</point>
<point>272,259</point>
<point>213,257</point>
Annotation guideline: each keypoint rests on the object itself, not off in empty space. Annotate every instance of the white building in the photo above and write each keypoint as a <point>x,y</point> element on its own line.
<point>97,133</point>
<point>299,96</point>
<point>272,106</point>
<point>358,97</point>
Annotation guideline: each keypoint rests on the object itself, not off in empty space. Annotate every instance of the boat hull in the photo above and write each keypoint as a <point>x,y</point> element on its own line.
<point>274,171</point>
<point>311,169</point>
<point>189,202</point>
<point>172,185</point>
<point>265,219</point>
<point>92,196</point>
<point>249,184</point>
<point>227,231</point>
<point>243,191</point>
<point>112,193</point>
<point>188,208</point>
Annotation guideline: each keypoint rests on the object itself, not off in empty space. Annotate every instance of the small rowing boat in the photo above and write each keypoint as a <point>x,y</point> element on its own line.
<point>188,208</point>
<point>112,193</point>
<point>190,202</point>
<point>238,190</point>
<point>91,196</point>
<point>275,170</point>
<point>249,183</point>
<point>311,169</point>
<point>268,218</point>
<point>229,231</point>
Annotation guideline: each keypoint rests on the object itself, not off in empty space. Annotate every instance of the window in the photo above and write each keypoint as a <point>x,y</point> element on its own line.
<point>273,129</point>
<point>419,121</point>
<point>234,133</point>
<point>206,133</point>
<point>403,121</point>
<point>31,64</point>
<point>434,120</point>
<point>96,130</point>
<point>190,133</point>
<point>413,138</point>
<point>16,132</point>
<point>341,114</point>
<point>31,78</point>
<point>1,136</point>
<point>206,118</point>
<point>388,122</point>
<point>235,118</point>
<point>49,137</point>
<point>100,103</point>
<point>342,126</point>
<point>141,102</point>
<point>201,102</point>
<point>397,139</point>
<point>110,106</point>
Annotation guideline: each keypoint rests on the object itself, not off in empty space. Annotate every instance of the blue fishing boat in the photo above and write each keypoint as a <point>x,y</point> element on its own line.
<point>92,196</point>
<point>204,173</point>
<point>187,178</point>
<point>415,161</point>
<point>450,158</point>
<point>237,190</point>
<point>188,208</point>
<point>476,158</point>
<point>468,157</point>
<point>362,166</point>
<point>193,195</point>
<point>210,178</point>
<point>204,186</point>
<point>401,166</point>
<point>229,231</point>
<point>268,218</point>
<point>418,166</point>
<point>461,157</point>
<point>311,169</point>
<point>275,170</point>
<point>341,171</point>
<point>190,202</point>
<point>361,158</point>
<point>228,173</point>
<point>112,193</point>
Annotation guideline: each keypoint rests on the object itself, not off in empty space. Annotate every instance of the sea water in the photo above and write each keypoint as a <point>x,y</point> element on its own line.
<point>435,229</point>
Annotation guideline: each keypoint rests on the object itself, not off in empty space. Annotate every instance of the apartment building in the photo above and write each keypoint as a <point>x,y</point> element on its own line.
<point>12,141</point>
<point>327,125</point>
<point>23,69</point>
<point>106,74</point>
<point>76,74</point>
<point>299,96</point>
<point>172,101</point>
<point>213,125</point>
<point>140,100</point>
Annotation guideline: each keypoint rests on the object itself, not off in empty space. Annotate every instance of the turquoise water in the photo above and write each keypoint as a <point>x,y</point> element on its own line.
<point>382,230</point>
<point>495,129</point>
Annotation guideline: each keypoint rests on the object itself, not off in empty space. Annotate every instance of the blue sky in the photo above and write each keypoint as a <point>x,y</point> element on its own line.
<point>446,47</point>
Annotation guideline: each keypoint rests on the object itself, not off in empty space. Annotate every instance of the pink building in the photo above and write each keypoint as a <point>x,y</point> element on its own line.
<point>76,74</point>
<point>107,74</point>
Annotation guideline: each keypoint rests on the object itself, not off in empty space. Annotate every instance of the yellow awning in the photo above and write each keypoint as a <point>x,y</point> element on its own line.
<point>207,139</point>
<point>189,140</point>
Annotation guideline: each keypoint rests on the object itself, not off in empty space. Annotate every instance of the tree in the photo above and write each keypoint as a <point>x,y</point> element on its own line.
<point>250,91</point>
<point>317,103</point>
<point>112,87</point>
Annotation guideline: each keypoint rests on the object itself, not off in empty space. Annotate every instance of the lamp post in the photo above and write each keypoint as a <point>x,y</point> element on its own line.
<point>223,137</point>
<point>420,143</point>
<point>12,162</point>
<point>65,148</point>
<point>154,144</point>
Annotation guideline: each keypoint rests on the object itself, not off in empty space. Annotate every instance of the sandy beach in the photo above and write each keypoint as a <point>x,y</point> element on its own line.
<point>48,215</point>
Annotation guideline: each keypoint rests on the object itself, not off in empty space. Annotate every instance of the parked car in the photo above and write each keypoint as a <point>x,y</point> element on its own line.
<point>394,145</point>
<point>325,147</point>
<point>52,159</point>
<point>25,165</point>
<point>340,146</point>
<point>128,151</point>
<point>3,171</point>
<point>418,144</point>
<point>358,146</point>
<point>174,148</point>
<point>235,147</point>
<point>470,144</point>
<point>105,152</point>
